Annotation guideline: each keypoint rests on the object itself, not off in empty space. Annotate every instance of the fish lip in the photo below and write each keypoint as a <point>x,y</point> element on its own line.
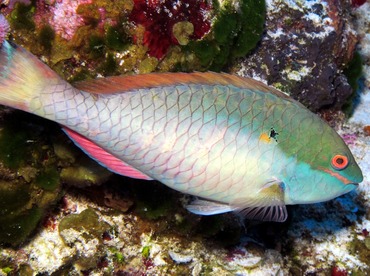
<point>352,184</point>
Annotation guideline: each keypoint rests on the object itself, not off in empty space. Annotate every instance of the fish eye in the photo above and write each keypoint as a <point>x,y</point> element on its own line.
<point>339,162</point>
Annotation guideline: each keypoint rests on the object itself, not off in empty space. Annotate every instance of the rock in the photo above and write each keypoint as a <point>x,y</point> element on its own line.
<point>180,257</point>
<point>304,50</point>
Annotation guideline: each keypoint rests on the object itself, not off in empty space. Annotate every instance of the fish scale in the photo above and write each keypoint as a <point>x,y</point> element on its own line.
<point>234,142</point>
<point>148,111</point>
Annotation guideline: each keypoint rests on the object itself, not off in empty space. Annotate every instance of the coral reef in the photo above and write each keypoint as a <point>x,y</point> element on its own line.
<point>30,183</point>
<point>35,160</point>
<point>304,51</point>
<point>136,36</point>
<point>169,23</point>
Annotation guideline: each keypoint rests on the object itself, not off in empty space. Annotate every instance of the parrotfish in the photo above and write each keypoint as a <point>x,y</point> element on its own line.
<point>234,143</point>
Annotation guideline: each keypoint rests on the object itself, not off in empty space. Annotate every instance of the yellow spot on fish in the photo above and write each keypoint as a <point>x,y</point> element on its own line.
<point>264,137</point>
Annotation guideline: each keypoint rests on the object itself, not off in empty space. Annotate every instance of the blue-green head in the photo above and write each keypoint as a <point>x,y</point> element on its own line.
<point>321,166</point>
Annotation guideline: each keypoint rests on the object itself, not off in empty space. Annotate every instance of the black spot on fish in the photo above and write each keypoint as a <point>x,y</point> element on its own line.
<point>273,134</point>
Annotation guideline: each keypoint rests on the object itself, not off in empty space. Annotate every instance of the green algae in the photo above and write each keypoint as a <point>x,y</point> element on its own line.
<point>205,50</point>
<point>224,26</point>
<point>64,149</point>
<point>87,219</point>
<point>251,26</point>
<point>46,37</point>
<point>118,256</point>
<point>182,32</point>
<point>7,270</point>
<point>60,52</point>
<point>48,179</point>
<point>353,72</point>
<point>152,211</point>
<point>87,223</point>
<point>22,207</point>
<point>87,173</point>
<point>116,38</point>
<point>13,197</point>
<point>14,147</point>
<point>17,228</point>
<point>113,9</point>
<point>81,75</point>
<point>154,203</point>
<point>85,230</point>
<point>235,32</point>
<point>29,180</point>
<point>21,17</point>
<point>96,46</point>
<point>77,168</point>
<point>145,252</point>
<point>109,66</point>
<point>148,65</point>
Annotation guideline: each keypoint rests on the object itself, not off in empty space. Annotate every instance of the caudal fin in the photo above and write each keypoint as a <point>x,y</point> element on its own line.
<point>22,76</point>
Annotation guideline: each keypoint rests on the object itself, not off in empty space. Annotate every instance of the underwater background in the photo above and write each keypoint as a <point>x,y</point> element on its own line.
<point>63,214</point>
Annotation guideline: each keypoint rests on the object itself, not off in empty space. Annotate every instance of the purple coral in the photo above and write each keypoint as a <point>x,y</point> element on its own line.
<point>65,19</point>
<point>349,139</point>
<point>4,28</point>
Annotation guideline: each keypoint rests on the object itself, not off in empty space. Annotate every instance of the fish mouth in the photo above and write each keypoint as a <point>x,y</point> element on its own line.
<point>350,186</point>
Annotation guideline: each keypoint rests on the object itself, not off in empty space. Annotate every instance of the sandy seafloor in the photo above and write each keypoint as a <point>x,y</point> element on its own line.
<point>324,237</point>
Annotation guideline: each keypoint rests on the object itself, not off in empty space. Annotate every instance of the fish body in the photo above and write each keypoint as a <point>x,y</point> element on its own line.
<point>234,142</point>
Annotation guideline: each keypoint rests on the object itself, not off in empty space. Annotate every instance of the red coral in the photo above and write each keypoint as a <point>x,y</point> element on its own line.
<point>338,271</point>
<point>159,16</point>
<point>358,3</point>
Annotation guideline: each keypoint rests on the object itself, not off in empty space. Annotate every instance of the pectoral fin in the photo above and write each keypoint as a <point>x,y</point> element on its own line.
<point>268,213</point>
<point>268,204</point>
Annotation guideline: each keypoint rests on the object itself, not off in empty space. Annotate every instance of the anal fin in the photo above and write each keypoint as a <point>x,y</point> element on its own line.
<point>103,157</point>
<point>206,207</point>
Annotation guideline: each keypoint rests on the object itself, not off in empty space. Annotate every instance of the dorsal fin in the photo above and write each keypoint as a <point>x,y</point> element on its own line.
<point>119,84</point>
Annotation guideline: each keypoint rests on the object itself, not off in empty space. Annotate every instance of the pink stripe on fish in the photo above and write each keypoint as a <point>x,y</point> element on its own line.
<point>103,157</point>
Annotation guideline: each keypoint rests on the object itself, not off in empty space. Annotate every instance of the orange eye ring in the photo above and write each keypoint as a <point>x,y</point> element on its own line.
<point>339,162</point>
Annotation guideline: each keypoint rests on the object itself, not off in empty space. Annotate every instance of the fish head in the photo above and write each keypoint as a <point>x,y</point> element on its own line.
<point>326,170</point>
